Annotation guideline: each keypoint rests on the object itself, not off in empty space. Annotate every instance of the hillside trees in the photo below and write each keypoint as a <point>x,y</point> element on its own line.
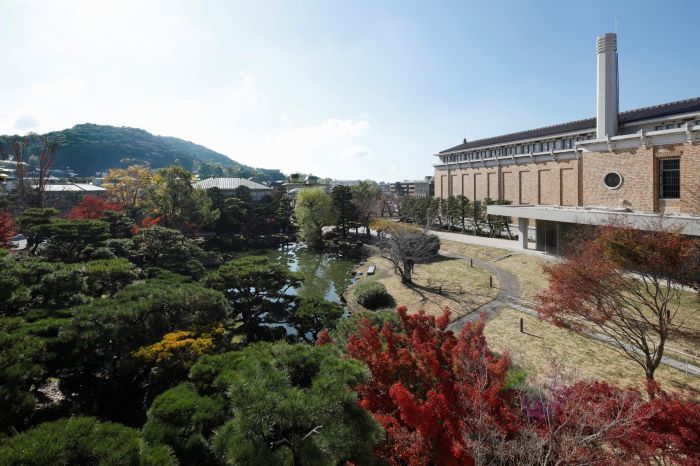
<point>179,205</point>
<point>35,156</point>
<point>8,229</point>
<point>624,284</point>
<point>284,209</point>
<point>267,404</point>
<point>315,314</point>
<point>100,372</point>
<point>128,187</point>
<point>365,196</point>
<point>256,288</point>
<point>93,208</point>
<point>313,211</point>
<point>30,220</point>
<point>82,440</point>
<point>167,249</point>
<point>343,207</point>
<point>405,245</point>
<point>72,240</point>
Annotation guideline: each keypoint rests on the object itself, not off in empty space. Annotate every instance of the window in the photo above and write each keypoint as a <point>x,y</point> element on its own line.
<point>612,180</point>
<point>670,126</point>
<point>670,178</point>
<point>657,128</point>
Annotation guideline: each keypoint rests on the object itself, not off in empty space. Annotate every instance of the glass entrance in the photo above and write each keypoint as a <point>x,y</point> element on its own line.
<point>547,236</point>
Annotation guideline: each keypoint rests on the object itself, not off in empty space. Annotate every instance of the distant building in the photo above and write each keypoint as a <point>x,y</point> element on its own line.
<point>228,186</point>
<point>65,196</point>
<point>344,182</point>
<point>634,164</point>
<point>81,188</point>
<point>413,188</point>
<point>296,183</point>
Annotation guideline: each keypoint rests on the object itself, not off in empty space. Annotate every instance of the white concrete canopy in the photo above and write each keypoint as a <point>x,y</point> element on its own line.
<point>596,216</point>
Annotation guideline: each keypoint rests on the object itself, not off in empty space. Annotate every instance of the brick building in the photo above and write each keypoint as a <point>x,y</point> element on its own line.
<point>636,164</point>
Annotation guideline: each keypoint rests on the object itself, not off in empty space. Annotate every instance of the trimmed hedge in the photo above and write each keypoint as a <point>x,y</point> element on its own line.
<point>372,294</point>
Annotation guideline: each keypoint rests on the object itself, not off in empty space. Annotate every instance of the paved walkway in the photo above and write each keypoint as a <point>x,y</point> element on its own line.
<point>508,286</point>
<point>511,245</point>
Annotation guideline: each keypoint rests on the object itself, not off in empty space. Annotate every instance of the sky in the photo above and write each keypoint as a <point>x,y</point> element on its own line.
<point>343,89</point>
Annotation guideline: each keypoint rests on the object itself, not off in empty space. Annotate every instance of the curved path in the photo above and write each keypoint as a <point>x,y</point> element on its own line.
<point>509,286</point>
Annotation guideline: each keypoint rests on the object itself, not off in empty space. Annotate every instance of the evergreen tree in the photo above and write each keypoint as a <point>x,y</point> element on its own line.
<point>343,207</point>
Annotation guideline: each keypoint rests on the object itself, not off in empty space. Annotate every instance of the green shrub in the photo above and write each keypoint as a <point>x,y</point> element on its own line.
<point>372,294</point>
<point>82,440</point>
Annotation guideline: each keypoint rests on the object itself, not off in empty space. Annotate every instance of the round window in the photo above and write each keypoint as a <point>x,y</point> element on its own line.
<point>612,180</point>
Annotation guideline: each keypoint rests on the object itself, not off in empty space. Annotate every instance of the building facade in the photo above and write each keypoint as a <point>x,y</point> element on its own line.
<point>637,164</point>
<point>413,188</point>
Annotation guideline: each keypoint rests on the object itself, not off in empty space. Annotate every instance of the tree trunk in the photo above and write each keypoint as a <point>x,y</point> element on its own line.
<point>406,273</point>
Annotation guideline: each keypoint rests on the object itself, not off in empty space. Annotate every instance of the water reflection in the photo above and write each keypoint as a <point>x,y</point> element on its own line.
<point>326,274</point>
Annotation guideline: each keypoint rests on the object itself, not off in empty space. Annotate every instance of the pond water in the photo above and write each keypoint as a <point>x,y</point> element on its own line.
<point>326,274</point>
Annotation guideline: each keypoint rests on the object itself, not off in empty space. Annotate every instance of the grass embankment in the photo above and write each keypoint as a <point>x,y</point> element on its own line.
<point>441,283</point>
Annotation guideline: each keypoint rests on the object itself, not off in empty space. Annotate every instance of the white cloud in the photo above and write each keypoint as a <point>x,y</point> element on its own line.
<point>26,122</point>
<point>332,148</point>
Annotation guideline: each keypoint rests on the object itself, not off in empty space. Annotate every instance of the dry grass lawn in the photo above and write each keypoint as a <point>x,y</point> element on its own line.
<point>441,283</point>
<point>585,358</point>
<point>589,358</point>
<point>526,267</point>
<point>686,345</point>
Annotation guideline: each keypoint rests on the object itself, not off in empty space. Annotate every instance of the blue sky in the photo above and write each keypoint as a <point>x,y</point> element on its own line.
<point>352,89</point>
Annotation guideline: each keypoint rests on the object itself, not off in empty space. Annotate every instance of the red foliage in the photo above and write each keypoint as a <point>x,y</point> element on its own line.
<point>147,222</point>
<point>669,427</point>
<point>7,229</point>
<point>324,337</point>
<point>428,387</point>
<point>442,400</point>
<point>593,289</point>
<point>150,222</point>
<point>93,207</point>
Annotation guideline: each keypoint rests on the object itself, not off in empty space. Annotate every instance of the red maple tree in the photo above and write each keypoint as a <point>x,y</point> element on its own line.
<point>93,208</point>
<point>443,400</point>
<point>7,229</point>
<point>623,283</point>
<point>428,387</point>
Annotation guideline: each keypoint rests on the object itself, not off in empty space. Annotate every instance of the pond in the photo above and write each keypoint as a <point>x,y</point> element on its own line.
<point>326,274</point>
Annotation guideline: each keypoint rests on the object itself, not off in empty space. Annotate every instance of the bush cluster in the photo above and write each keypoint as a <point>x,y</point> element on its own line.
<point>372,294</point>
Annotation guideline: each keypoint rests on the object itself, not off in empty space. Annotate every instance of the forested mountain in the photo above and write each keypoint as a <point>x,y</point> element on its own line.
<point>89,148</point>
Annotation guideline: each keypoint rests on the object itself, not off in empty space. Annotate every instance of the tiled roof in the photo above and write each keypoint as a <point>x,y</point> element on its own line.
<point>229,184</point>
<point>630,116</point>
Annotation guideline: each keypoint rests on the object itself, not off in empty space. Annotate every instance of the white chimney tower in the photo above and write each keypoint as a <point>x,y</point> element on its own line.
<point>606,121</point>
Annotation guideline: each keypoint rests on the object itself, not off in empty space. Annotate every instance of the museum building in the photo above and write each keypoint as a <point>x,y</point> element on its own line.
<point>635,164</point>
